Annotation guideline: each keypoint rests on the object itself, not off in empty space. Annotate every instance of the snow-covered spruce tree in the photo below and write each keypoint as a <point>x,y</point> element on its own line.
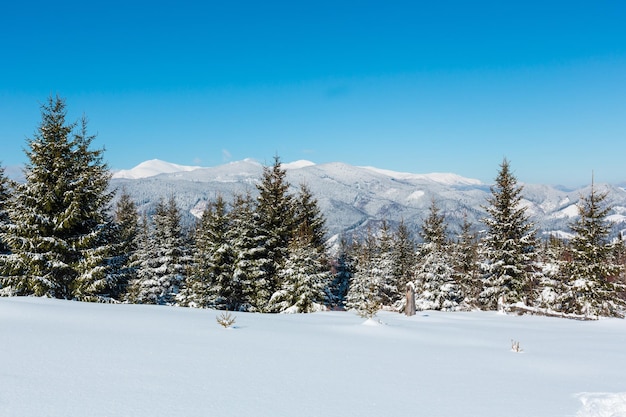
<point>343,269</point>
<point>163,262</point>
<point>591,288</point>
<point>384,266</point>
<point>126,244</point>
<point>551,255</point>
<point>304,279</point>
<point>466,265</point>
<point>309,222</point>
<point>364,294</point>
<point>436,288</point>
<point>145,245</point>
<point>210,283</point>
<point>404,259</point>
<point>274,215</point>
<point>4,223</point>
<point>509,242</point>
<point>5,195</point>
<point>60,226</point>
<point>251,259</point>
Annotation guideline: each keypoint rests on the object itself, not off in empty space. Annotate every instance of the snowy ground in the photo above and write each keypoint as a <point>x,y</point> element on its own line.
<point>64,359</point>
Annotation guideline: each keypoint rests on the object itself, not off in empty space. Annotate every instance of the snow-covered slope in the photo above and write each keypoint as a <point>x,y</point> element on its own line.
<point>70,359</point>
<point>352,198</point>
<point>439,177</point>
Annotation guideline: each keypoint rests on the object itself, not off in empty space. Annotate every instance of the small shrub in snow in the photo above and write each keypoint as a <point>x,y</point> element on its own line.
<point>515,347</point>
<point>226,319</point>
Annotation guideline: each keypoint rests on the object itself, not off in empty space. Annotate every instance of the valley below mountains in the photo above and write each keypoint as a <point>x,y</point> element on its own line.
<point>354,198</point>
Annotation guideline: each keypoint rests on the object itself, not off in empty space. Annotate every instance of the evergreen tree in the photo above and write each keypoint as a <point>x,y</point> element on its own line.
<point>60,235</point>
<point>436,288</point>
<point>384,267</point>
<point>591,286</point>
<point>364,294</point>
<point>126,241</point>
<point>510,244</point>
<point>274,217</point>
<point>404,259</point>
<point>309,222</point>
<point>251,259</point>
<point>304,280</point>
<point>466,264</point>
<point>143,253</point>
<point>5,195</point>
<point>343,270</point>
<point>434,229</point>
<point>163,264</point>
<point>210,283</point>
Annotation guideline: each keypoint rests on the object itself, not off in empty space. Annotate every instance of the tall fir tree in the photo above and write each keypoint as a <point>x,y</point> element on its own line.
<point>126,244</point>
<point>592,287</point>
<point>275,218</point>
<point>510,243</point>
<point>210,283</point>
<point>164,261</point>
<point>404,256</point>
<point>436,288</point>
<point>60,234</point>
<point>364,294</point>
<point>384,266</point>
<point>309,223</point>
<point>5,195</point>
<point>343,269</point>
<point>466,263</point>
<point>251,258</point>
<point>145,246</point>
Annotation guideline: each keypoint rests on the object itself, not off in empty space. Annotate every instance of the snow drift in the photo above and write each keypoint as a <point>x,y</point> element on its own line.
<point>64,358</point>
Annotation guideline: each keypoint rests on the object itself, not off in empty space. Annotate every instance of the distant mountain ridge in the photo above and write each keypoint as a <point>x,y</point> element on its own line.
<point>354,198</point>
<point>155,167</point>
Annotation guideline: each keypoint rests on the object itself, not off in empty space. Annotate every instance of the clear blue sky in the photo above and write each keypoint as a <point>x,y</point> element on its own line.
<point>417,86</point>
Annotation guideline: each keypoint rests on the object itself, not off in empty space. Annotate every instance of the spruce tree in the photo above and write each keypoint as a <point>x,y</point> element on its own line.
<point>251,258</point>
<point>404,259</point>
<point>466,264</point>
<point>384,267</point>
<point>364,294</point>
<point>210,283</point>
<point>304,280</point>
<point>309,222</point>
<point>126,244</point>
<point>5,195</point>
<point>274,216</point>
<point>343,271</point>
<point>436,288</point>
<point>591,286</point>
<point>61,228</point>
<point>509,242</point>
<point>164,261</point>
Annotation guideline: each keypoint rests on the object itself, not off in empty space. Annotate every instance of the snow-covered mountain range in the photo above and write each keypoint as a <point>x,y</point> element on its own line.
<point>353,198</point>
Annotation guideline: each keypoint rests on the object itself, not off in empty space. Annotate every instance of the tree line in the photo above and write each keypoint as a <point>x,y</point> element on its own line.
<point>60,237</point>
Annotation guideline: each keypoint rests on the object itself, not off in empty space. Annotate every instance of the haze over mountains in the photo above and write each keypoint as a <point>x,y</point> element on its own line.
<point>354,198</point>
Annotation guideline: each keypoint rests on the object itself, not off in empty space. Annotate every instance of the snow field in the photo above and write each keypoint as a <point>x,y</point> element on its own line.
<point>65,358</point>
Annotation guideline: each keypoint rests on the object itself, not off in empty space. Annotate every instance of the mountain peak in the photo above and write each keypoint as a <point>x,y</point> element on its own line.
<point>151,168</point>
<point>302,163</point>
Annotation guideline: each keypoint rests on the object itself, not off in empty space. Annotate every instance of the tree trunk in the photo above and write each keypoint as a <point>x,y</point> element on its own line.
<point>409,308</point>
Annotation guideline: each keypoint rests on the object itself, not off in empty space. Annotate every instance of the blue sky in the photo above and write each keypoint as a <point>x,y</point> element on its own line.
<point>449,86</point>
